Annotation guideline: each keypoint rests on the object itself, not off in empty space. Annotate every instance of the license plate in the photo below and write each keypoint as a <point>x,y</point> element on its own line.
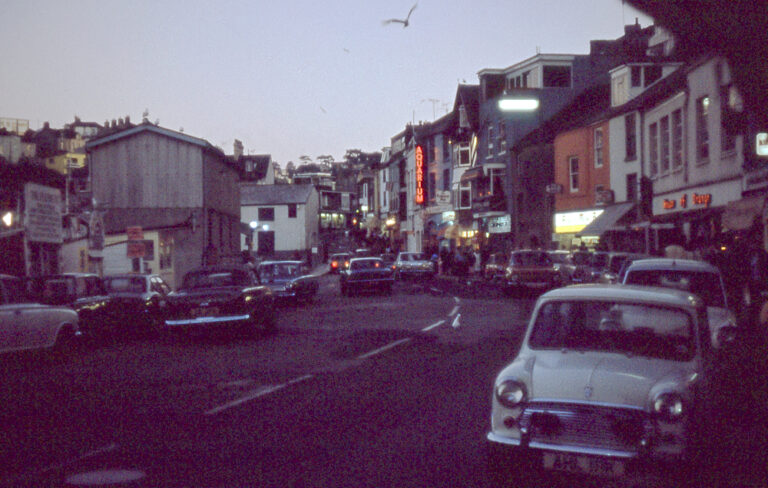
<point>204,311</point>
<point>574,463</point>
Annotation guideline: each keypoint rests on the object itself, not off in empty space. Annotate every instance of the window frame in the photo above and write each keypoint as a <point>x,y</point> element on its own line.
<point>573,173</point>
<point>702,129</point>
<point>599,142</point>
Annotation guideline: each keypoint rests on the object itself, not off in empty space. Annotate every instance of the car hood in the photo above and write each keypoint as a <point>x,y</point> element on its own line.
<point>205,294</point>
<point>602,378</point>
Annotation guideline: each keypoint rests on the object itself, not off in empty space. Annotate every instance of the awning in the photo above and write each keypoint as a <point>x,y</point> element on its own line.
<point>603,222</point>
<point>472,173</point>
<point>741,214</point>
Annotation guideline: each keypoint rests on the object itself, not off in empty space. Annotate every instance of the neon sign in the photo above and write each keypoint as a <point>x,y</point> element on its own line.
<point>699,200</point>
<point>419,174</point>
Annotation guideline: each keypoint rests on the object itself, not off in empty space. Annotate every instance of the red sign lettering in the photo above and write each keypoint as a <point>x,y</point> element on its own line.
<point>419,174</point>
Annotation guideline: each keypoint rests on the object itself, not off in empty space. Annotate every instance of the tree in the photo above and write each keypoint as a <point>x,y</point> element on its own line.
<point>326,161</point>
<point>290,168</point>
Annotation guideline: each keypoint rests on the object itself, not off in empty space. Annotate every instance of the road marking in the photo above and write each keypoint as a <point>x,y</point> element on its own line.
<point>454,311</point>
<point>456,299</point>
<point>382,349</point>
<point>436,324</point>
<point>59,466</point>
<point>264,390</point>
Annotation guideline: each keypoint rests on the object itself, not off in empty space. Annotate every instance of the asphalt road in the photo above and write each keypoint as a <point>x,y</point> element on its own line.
<point>365,391</point>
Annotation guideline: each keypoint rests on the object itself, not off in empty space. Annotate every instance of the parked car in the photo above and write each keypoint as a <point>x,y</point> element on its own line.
<point>213,297</point>
<point>413,265</point>
<point>563,261</point>
<point>366,274</point>
<point>140,298</point>
<point>610,272</point>
<point>530,270</point>
<point>290,281</point>
<point>697,277</point>
<point>338,262</point>
<point>389,260</point>
<point>581,260</point>
<point>494,267</point>
<point>26,325</point>
<point>99,317</point>
<point>610,381</point>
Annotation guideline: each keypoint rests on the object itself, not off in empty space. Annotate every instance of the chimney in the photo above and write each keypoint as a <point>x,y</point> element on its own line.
<point>121,122</point>
<point>127,120</point>
<point>238,149</point>
<point>114,124</point>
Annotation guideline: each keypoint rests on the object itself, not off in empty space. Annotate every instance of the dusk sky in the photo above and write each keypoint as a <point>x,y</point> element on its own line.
<point>288,78</point>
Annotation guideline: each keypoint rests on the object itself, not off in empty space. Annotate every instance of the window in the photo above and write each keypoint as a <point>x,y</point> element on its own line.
<point>446,149</point>
<point>573,172</point>
<point>557,76</point>
<point>664,140</point>
<point>652,73</point>
<point>653,143</point>
<point>463,155</point>
<point>677,139</point>
<point>490,140</point>
<point>632,187</point>
<point>446,180</point>
<point>727,138</point>
<point>266,214</point>
<point>598,148</point>
<point>636,76</point>
<point>524,80</point>
<point>291,210</point>
<point>501,137</point>
<point>630,137</point>
<point>432,186</point>
<point>465,195</point>
<point>702,130</point>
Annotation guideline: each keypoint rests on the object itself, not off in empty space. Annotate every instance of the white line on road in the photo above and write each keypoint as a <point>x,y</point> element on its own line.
<point>456,299</point>
<point>58,466</point>
<point>382,349</point>
<point>454,311</point>
<point>264,390</point>
<point>436,324</point>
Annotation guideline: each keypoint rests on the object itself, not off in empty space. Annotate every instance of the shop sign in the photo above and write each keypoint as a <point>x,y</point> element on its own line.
<point>697,200</point>
<point>761,144</point>
<point>572,222</point>
<point>144,248</point>
<point>443,197</point>
<point>42,214</point>
<point>500,225</point>
<point>419,175</point>
<point>604,197</point>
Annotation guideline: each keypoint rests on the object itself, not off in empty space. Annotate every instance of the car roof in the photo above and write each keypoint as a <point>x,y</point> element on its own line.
<point>287,261</point>
<point>671,264</point>
<point>629,293</point>
<point>130,275</point>
<point>365,258</point>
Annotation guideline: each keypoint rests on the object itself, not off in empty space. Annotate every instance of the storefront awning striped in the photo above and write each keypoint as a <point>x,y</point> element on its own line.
<point>603,222</point>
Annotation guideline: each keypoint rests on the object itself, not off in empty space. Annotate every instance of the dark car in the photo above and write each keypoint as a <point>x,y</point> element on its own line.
<point>366,274</point>
<point>289,281</point>
<point>140,298</point>
<point>494,267</point>
<point>338,262</point>
<point>215,297</point>
<point>99,317</point>
<point>531,270</point>
<point>389,260</point>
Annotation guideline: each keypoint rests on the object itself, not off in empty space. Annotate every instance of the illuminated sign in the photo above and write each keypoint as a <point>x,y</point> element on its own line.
<point>761,144</point>
<point>697,199</point>
<point>572,222</point>
<point>419,174</point>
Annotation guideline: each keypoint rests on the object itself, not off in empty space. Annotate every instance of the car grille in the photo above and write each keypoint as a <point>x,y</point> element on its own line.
<point>578,425</point>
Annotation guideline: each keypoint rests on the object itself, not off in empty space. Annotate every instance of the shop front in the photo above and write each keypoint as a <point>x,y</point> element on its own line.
<point>568,224</point>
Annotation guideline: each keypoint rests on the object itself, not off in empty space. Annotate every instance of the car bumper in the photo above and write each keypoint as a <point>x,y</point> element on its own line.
<point>206,321</point>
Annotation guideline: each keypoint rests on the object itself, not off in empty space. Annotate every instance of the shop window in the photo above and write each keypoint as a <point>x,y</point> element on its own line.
<point>446,180</point>
<point>465,195</point>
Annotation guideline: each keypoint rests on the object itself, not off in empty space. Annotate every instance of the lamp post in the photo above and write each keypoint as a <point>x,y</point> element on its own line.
<point>522,105</point>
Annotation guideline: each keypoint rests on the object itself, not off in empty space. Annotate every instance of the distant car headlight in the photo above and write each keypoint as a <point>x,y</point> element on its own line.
<point>669,406</point>
<point>511,393</point>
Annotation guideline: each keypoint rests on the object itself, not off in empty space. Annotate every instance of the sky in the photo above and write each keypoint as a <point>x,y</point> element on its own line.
<point>289,78</point>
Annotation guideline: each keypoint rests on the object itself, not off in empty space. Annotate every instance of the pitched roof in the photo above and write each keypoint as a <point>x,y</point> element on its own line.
<point>252,194</point>
<point>148,127</point>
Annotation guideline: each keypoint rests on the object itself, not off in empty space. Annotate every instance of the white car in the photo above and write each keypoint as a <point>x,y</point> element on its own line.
<point>609,382</point>
<point>26,326</point>
<point>413,265</point>
<point>697,277</point>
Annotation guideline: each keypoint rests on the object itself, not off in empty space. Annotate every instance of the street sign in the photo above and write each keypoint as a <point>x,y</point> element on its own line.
<point>134,233</point>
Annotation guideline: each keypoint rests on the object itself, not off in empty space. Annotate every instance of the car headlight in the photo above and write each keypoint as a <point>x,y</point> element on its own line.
<point>669,406</point>
<point>511,393</point>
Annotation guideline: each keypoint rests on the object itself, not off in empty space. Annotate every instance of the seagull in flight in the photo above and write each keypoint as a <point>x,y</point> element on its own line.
<point>404,22</point>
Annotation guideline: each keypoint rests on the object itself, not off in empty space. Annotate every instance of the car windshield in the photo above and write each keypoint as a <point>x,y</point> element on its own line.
<point>125,284</point>
<point>365,264</point>
<point>703,283</point>
<point>531,259</point>
<point>413,256</point>
<point>607,326</point>
<point>213,279</point>
<point>278,271</point>
<point>558,257</point>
